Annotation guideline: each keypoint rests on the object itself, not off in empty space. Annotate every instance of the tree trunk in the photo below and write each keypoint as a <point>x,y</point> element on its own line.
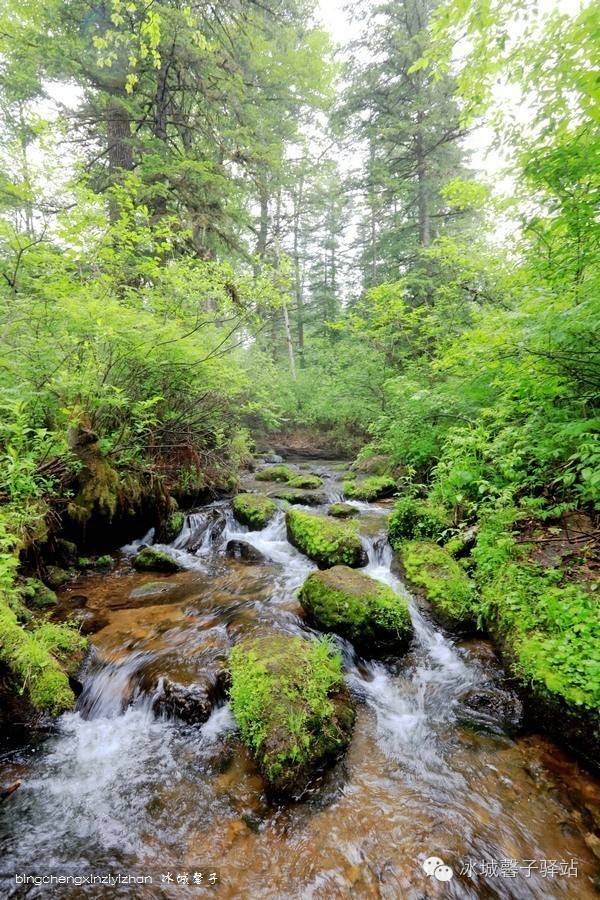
<point>422,199</point>
<point>297,279</point>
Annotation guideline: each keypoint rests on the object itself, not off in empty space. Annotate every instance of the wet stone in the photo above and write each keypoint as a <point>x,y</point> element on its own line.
<point>243,550</point>
<point>192,703</point>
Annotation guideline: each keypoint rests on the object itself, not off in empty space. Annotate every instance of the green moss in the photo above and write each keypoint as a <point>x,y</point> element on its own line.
<point>172,527</point>
<point>253,510</point>
<point>36,595</point>
<point>342,511</point>
<point>307,482</point>
<point>326,541</point>
<point>417,519</point>
<point>549,628</point>
<point>104,562</point>
<point>365,611</point>
<point>445,584</point>
<point>35,658</point>
<point>373,488</point>
<point>302,498</point>
<point>289,700</point>
<point>99,488</point>
<point>152,560</point>
<point>276,473</point>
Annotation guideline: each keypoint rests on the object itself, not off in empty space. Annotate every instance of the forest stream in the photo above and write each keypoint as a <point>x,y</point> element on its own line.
<point>432,769</point>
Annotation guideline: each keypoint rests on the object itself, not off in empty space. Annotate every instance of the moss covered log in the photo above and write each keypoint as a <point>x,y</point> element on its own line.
<point>326,541</point>
<point>291,705</point>
<point>443,581</point>
<point>367,612</point>
<point>253,510</point>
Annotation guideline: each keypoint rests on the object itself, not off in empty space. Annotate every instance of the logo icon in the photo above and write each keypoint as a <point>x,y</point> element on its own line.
<point>435,866</point>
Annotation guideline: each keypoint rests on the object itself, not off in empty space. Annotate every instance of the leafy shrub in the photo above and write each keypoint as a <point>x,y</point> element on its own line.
<point>412,518</point>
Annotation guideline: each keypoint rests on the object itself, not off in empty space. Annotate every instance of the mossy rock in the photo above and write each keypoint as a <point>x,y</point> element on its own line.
<point>151,560</point>
<point>56,577</point>
<point>276,473</point>
<point>300,498</point>
<point>342,511</point>
<point>66,552</point>
<point>367,612</point>
<point>443,581</point>
<point>37,595</point>
<point>417,519</point>
<point>326,541</point>
<point>308,481</point>
<point>171,528</point>
<point>253,510</point>
<point>292,707</point>
<point>376,487</point>
<point>41,659</point>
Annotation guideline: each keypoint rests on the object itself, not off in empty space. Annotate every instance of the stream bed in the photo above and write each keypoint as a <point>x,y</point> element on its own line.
<point>434,768</point>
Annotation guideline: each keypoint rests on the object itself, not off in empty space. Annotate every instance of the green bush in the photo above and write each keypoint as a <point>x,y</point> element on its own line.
<point>412,518</point>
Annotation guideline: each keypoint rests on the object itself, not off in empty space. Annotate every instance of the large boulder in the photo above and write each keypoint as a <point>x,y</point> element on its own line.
<point>376,487</point>
<point>367,612</point>
<point>253,510</point>
<point>276,473</point>
<point>324,540</point>
<point>292,707</point>
<point>444,583</point>
<point>151,560</point>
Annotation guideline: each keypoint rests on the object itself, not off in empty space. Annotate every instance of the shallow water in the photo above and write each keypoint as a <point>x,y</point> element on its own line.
<point>429,772</point>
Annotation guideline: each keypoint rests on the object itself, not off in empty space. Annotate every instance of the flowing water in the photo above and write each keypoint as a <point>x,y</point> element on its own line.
<point>432,770</point>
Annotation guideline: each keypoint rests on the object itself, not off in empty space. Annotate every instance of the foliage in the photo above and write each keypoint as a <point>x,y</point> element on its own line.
<point>368,613</point>
<point>282,696</point>
<point>253,510</point>
<point>550,628</point>
<point>420,519</point>
<point>326,541</point>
